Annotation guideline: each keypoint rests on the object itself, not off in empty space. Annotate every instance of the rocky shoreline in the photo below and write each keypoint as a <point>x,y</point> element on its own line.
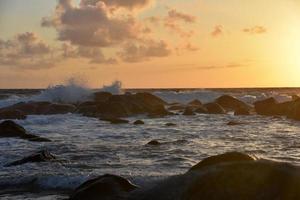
<point>231,175</point>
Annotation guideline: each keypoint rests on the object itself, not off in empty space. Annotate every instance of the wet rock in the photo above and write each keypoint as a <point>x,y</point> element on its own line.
<point>138,122</point>
<point>266,106</point>
<point>223,158</point>
<point>115,120</point>
<point>188,112</point>
<point>201,110</point>
<point>234,123</point>
<point>159,111</point>
<point>41,108</point>
<point>102,96</point>
<point>295,97</point>
<point>154,143</point>
<point>177,107</point>
<point>294,111</point>
<point>106,187</point>
<point>170,124</point>
<point>242,111</point>
<point>12,114</point>
<point>259,180</point>
<point>195,102</point>
<point>230,103</point>
<point>41,156</point>
<point>214,108</point>
<point>9,128</point>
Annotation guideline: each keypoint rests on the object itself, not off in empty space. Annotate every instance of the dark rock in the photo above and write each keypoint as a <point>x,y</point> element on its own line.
<point>201,110</point>
<point>106,187</point>
<point>177,107</point>
<point>102,96</point>
<point>188,111</point>
<point>195,102</point>
<point>266,106</point>
<point>159,111</point>
<point>138,122</point>
<point>9,128</point>
<point>115,120</point>
<point>242,111</point>
<point>214,108</point>
<point>230,103</point>
<point>295,97</point>
<point>259,180</point>
<point>154,143</point>
<point>294,110</point>
<point>223,158</point>
<point>234,123</point>
<point>41,156</point>
<point>170,124</point>
<point>12,114</point>
<point>41,108</point>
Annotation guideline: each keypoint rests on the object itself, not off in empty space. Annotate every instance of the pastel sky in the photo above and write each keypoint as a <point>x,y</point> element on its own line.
<point>150,43</point>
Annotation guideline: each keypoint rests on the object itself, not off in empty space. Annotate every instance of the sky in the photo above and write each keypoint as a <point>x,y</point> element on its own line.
<point>150,43</point>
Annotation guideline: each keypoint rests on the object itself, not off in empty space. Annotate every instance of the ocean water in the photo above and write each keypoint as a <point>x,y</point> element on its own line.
<point>87,147</point>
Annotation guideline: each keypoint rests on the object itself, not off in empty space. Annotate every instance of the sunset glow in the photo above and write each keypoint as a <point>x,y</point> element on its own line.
<point>194,43</point>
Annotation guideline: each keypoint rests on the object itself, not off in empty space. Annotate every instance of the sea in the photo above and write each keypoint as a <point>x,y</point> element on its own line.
<point>87,147</point>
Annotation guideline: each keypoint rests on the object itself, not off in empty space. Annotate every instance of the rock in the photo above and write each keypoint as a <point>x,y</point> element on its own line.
<point>9,128</point>
<point>201,110</point>
<point>170,124</point>
<point>230,103</point>
<point>12,114</point>
<point>294,111</point>
<point>115,120</point>
<point>214,108</point>
<point>41,108</point>
<point>195,102</point>
<point>106,187</point>
<point>234,123</point>
<point>266,106</point>
<point>41,156</point>
<point>188,111</point>
<point>242,111</point>
<point>154,143</point>
<point>102,96</point>
<point>223,158</point>
<point>177,107</point>
<point>159,111</point>
<point>259,180</point>
<point>295,97</point>
<point>138,122</point>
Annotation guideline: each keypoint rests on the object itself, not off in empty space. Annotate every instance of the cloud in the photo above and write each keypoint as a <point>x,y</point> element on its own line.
<point>140,52</point>
<point>218,31</point>
<point>175,15</point>
<point>255,30</point>
<point>91,24</point>
<point>26,50</point>
<point>232,65</point>
<point>129,4</point>
<point>174,18</point>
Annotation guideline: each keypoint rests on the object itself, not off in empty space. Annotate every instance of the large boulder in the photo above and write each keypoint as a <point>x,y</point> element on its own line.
<point>242,111</point>
<point>102,96</point>
<point>41,108</point>
<point>12,114</point>
<point>188,111</point>
<point>214,108</point>
<point>230,103</point>
<point>223,158</point>
<point>9,128</point>
<point>271,107</point>
<point>106,187</point>
<point>195,102</point>
<point>40,156</point>
<point>294,111</point>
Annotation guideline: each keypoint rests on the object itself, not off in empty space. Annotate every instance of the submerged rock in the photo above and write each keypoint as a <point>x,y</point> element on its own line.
<point>214,108</point>
<point>138,122</point>
<point>188,111</point>
<point>154,143</point>
<point>41,156</point>
<point>108,187</point>
<point>115,120</point>
<point>170,124</point>
<point>234,123</point>
<point>9,128</point>
<point>12,114</point>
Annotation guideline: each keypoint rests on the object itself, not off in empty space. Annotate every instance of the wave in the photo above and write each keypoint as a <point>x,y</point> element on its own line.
<point>73,91</point>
